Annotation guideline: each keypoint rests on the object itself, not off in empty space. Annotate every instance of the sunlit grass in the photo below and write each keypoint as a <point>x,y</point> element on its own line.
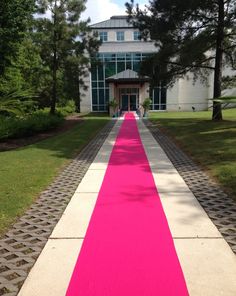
<point>211,144</point>
<point>25,172</point>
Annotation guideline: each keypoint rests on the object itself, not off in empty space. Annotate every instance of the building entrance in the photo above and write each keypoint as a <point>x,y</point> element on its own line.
<point>129,103</point>
<point>129,99</point>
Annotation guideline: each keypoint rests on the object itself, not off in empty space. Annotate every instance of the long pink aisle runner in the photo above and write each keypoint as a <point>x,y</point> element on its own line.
<point>128,249</point>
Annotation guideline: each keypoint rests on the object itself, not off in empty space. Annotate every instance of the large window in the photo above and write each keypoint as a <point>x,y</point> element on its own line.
<point>120,36</point>
<point>158,96</point>
<point>103,36</point>
<point>136,35</point>
<point>109,64</point>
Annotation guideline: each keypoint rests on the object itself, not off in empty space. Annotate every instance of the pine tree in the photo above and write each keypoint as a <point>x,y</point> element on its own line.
<point>192,36</point>
<point>63,36</point>
<point>15,19</point>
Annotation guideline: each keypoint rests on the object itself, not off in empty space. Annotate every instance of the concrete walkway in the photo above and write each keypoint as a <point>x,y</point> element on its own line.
<point>208,263</point>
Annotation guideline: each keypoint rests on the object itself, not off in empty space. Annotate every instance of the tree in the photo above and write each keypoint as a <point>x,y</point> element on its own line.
<point>192,36</point>
<point>63,38</point>
<point>25,76</point>
<point>15,19</point>
<point>76,68</point>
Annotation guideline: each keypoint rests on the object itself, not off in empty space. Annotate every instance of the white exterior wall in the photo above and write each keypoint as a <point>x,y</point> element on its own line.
<point>192,94</point>
<point>172,103</point>
<point>227,71</point>
<point>181,97</point>
<point>112,35</point>
<point>123,46</point>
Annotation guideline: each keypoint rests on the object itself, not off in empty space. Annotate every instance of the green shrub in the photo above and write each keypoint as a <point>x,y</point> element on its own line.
<point>40,121</point>
<point>68,109</point>
<point>146,104</point>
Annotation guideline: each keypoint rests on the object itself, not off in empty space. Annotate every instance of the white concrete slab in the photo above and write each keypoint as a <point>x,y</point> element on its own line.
<point>166,177</point>
<point>153,150</point>
<point>169,182</point>
<point>102,158</point>
<point>75,220</point>
<point>51,273</point>
<point>162,165</point>
<point>91,182</point>
<point>186,217</point>
<point>155,154</point>
<point>209,266</point>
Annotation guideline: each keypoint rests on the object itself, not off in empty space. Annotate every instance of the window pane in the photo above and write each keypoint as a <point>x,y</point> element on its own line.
<point>94,73</point>
<point>136,66</point>
<point>100,73</point>
<point>110,69</point>
<point>94,84</point>
<point>156,96</point>
<point>128,65</point>
<point>101,84</point>
<point>136,56</point>
<point>145,55</point>
<point>120,36</point>
<point>128,57</point>
<point>163,95</point>
<point>109,57</point>
<point>94,96</point>
<point>137,35</point>
<point>120,67</point>
<point>107,95</point>
<point>102,108</point>
<point>121,57</point>
<point>101,97</point>
<point>103,36</point>
<point>100,57</point>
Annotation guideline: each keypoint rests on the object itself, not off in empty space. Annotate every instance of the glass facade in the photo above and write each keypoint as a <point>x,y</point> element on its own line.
<point>109,64</point>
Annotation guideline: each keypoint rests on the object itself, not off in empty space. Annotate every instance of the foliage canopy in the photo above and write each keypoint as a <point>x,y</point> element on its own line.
<point>195,36</point>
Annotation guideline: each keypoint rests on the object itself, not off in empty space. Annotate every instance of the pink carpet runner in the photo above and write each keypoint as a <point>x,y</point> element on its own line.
<point>128,249</point>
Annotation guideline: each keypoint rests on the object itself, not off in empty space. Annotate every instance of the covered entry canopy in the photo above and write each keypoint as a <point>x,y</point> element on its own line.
<point>128,89</point>
<point>127,76</point>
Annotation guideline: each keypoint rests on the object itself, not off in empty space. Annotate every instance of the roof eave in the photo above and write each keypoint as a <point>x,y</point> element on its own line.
<point>125,80</point>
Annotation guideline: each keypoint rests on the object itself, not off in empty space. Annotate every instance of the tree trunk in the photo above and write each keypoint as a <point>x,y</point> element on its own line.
<point>217,112</point>
<point>54,64</point>
<point>77,103</point>
<point>54,85</point>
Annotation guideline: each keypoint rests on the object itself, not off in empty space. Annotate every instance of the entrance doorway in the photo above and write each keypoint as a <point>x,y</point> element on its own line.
<point>129,102</point>
<point>129,99</point>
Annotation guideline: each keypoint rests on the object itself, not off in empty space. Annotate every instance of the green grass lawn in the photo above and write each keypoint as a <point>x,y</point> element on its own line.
<point>211,144</point>
<point>25,172</point>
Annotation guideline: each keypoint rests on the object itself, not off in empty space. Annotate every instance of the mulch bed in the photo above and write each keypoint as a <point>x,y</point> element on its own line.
<point>69,123</point>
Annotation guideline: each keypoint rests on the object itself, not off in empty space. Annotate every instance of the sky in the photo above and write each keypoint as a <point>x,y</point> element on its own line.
<point>100,10</point>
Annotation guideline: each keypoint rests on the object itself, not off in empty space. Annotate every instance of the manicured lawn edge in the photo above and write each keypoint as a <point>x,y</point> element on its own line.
<point>27,171</point>
<point>212,145</point>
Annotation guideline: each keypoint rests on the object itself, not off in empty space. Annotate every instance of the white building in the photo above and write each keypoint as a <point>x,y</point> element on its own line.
<point>115,76</point>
